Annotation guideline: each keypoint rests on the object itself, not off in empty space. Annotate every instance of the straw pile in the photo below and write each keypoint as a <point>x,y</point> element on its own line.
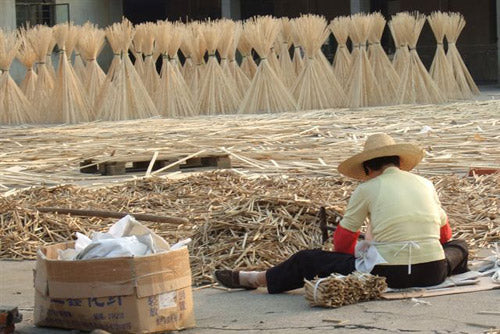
<point>27,56</point>
<point>285,42</point>
<point>267,93</point>
<point>466,85</point>
<point>14,106</point>
<point>338,290</point>
<point>342,61</point>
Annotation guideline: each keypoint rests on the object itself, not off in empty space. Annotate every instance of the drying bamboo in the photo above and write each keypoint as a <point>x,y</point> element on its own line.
<point>441,70</point>
<point>227,30</point>
<point>362,87</point>
<point>48,61</point>
<point>150,77</point>
<point>79,64</point>
<point>27,56</point>
<point>140,34</point>
<point>465,82</point>
<point>416,85</point>
<point>285,41</point>
<point>248,65</point>
<point>198,49</point>
<point>267,93</point>
<point>188,67</point>
<point>215,95</point>
<point>313,89</point>
<point>241,79</point>
<point>298,61</point>
<point>173,97</point>
<point>273,57</point>
<point>384,71</point>
<point>342,61</point>
<point>14,106</point>
<point>402,53</point>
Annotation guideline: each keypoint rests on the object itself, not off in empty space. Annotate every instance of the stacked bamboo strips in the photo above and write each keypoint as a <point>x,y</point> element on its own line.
<point>398,31</point>
<point>27,56</point>
<point>241,80</point>
<point>466,85</point>
<point>417,85</point>
<point>342,61</point>
<point>14,106</point>
<point>150,76</point>
<point>386,75</point>
<point>363,88</point>
<point>313,89</point>
<point>285,42</point>
<point>267,93</point>
<point>248,65</point>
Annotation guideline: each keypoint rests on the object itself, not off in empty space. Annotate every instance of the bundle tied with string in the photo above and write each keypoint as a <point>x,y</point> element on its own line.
<point>337,290</point>
<point>342,61</point>
<point>27,56</point>
<point>363,88</point>
<point>136,48</point>
<point>297,60</point>
<point>215,94</point>
<point>267,93</point>
<point>465,82</point>
<point>198,49</point>
<point>48,58</point>
<point>313,89</point>
<point>248,65</point>
<point>227,28</point>
<point>399,35</point>
<point>272,57</point>
<point>173,97</point>
<point>186,48</point>
<point>69,103</point>
<point>384,71</point>
<point>150,78</point>
<point>285,42</point>
<point>441,70</point>
<point>14,106</point>
<point>416,85</point>
<point>240,78</point>
<point>79,64</point>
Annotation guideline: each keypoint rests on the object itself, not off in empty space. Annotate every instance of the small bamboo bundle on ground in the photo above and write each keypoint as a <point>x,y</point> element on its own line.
<point>173,97</point>
<point>337,290</point>
<point>224,47</point>
<point>465,82</point>
<point>69,103</point>
<point>123,95</point>
<point>215,96</point>
<point>241,79</point>
<point>285,41</point>
<point>416,85</point>
<point>343,61</point>
<point>399,35</point>
<point>248,65</point>
<point>313,89</point>
<point>441,70</point>
<point>267,93</point>
<point>385,73</point>
<point>27,56</point>
<point>297,60</point>
<point>363,88</point>
<point>150,77</point>
<point>136,48</point>
<point>198,49</point>
<point>14,106</point>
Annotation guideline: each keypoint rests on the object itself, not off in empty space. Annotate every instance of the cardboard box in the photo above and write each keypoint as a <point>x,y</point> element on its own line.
<point>144,294</point>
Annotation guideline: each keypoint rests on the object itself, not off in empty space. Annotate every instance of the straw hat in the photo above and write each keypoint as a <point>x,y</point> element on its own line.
<point>381,145</point>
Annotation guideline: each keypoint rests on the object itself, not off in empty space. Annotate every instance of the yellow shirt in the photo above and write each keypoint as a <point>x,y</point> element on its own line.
<point>401,207</point>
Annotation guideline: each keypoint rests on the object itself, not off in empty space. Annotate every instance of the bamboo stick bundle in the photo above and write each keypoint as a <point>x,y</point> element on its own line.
<point>227,28</point>
<point>416,85</point>
<point>363,88</point>
<point>69,103</point>
<point>273,57</point>
<point>215,94</point>
<point>186,48</point>
<point>267,93</point>
<point>342,61</point>
<point>466,84</point>
<point>313,89</point>
<point>123,95</point>
<point>402,53</point>
<point>298,60</point>
<point>91,43</point>
<point>48,61</point>
<point>285,41</point>
<point>241,79</point>
<point>441,70</point>
<point>173,97</point>
<point>198,49</point>
<point>248,65</point>
<point>384,71</point>
<point>140,32</point>
<point>150,78</point>
<point>14,106</point>
<point>27,56</point>
<point>79,64</point>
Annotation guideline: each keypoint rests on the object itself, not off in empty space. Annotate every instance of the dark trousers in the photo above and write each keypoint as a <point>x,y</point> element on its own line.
<point>308,264</point>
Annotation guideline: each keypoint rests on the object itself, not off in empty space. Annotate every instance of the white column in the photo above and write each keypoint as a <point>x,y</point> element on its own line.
<point>8,14</point>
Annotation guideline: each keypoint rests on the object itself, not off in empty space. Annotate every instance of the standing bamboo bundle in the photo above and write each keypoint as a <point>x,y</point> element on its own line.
<point>140,32</point>
<point>14,106</point>
<point>385,73</point>
<point>227,28</point>
<point>48,61</point>
<point>298,61</point>
<point>402,53</point>
<point>362,87</point>
<point>466,84</point>
<point>150,78</point>
<point>27,56</point>
<point>91,43</point>
<point>416,85</point>
<point>79,64</point>
<point>273,56</point>
<point>313,90</point>
<point>248,65</point>
<point>123,95</point>
<point>69,103</point>
<point>343,61</point>
<point>173,97</point>
<point>285,41</point>
<point>186,48</point>
<point>241,79</point>
<point>441,70</point>
<point>215,95</point>
<point>198,49</point>
<point>267,93</point>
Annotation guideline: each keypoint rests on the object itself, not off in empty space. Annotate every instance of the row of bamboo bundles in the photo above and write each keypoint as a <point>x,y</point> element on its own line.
<point>292,72</point>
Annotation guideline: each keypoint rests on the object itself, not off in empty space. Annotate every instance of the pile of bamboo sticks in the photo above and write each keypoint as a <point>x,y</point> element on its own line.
<point>217,84</point>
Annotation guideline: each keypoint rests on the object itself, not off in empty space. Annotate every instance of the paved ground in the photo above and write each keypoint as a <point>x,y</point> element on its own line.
<point>257,312</point>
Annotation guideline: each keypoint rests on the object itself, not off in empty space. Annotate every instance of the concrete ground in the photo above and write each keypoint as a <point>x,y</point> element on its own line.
<point>219,311</point>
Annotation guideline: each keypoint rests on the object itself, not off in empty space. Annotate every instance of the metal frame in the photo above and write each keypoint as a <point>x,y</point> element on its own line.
<point>55,5</point>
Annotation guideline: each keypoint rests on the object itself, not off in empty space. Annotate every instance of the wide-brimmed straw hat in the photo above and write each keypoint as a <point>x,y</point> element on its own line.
<point>381,145</point>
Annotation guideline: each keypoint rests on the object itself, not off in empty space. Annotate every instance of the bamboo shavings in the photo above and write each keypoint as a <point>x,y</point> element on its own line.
<point>285,42</point>
<point>150,78</point>
<point>399,35</point>
<point>14,106</point>
<point>385,73</point>
<point>417,86</point>
<point>267,93</point>
<point>241,80</point>
<point>248,65</point>
<point>342,61</point>
<point>27,56</point>
<point>465,82</point>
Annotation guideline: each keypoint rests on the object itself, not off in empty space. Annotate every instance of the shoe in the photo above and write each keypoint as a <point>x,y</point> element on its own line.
<point>230,279</point>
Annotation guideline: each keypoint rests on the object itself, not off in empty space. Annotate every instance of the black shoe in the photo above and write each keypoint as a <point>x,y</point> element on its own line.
<point>230,279</point>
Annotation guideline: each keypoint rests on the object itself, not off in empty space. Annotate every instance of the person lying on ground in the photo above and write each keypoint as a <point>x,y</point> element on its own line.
<point>409,231</point>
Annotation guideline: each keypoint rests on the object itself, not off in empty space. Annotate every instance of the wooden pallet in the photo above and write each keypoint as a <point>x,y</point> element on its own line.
<point>132,164</point>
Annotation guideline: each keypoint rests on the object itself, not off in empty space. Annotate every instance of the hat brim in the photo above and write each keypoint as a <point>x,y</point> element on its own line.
<point>409,156</point>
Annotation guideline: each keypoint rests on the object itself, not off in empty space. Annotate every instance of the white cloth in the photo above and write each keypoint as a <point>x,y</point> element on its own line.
<point>367,256</point>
